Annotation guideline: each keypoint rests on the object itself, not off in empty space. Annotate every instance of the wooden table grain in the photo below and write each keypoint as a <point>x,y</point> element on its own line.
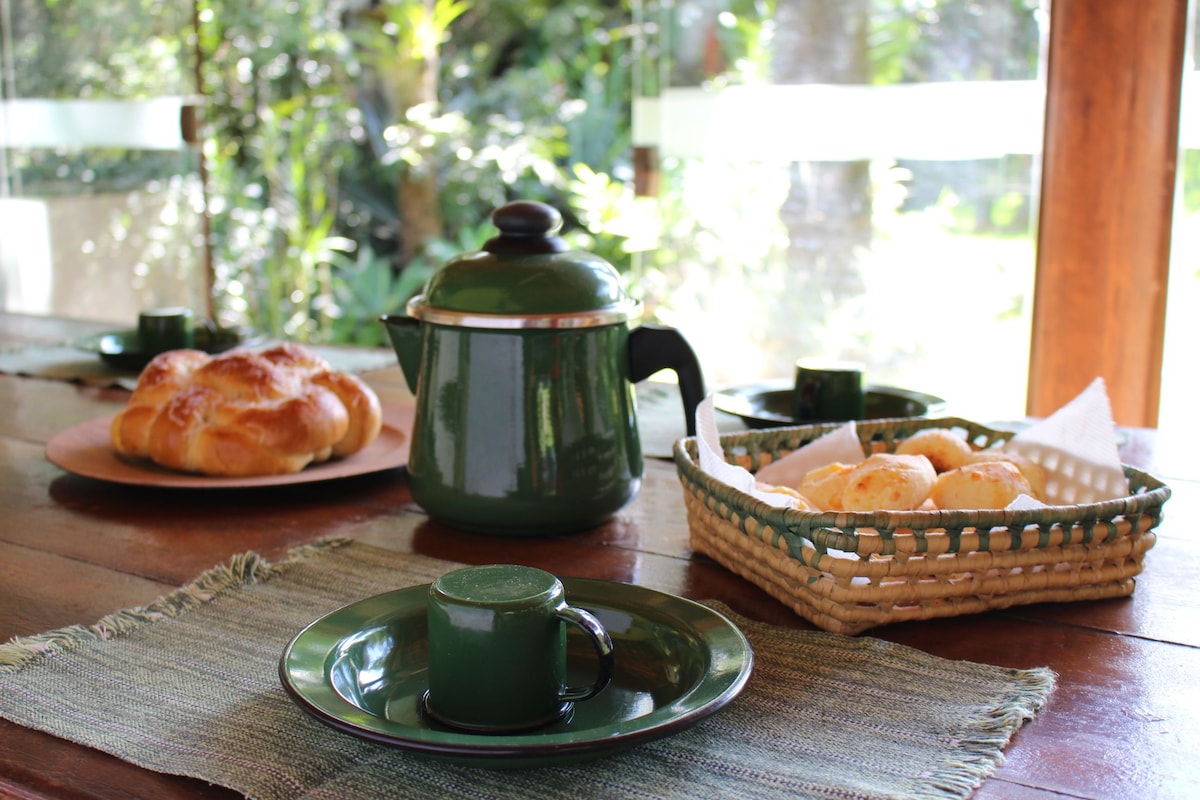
<point>1123,723</point>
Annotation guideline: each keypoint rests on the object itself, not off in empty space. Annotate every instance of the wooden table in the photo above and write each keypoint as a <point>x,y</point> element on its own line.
<point>1123,723</point>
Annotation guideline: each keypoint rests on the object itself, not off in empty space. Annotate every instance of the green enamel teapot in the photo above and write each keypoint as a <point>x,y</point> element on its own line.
<point>523,359</point>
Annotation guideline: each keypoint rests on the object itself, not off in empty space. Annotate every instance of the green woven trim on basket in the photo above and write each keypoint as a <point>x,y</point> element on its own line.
<point>830,530</point>
<point>242,570</point>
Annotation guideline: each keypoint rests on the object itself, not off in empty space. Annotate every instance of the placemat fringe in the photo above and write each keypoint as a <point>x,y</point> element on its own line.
<point>981,752</point>
<point>242,569</point>
<point>1035,686</point>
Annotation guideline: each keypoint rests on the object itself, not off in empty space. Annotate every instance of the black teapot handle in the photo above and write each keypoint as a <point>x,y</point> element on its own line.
<point>657,347</point>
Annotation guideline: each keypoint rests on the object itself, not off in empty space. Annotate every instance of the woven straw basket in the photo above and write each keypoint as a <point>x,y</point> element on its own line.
<point>850,571</point>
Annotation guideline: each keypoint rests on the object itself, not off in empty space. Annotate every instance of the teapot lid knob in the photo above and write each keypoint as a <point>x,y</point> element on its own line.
<point>526,277</point>
<point>526,228</point>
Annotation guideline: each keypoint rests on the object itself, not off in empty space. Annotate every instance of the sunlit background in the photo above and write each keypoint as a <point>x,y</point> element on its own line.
<point>778,179</point>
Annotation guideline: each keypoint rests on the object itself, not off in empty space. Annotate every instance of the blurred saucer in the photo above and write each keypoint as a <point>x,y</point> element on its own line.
<point>769,404</point>
<point>122,349</point>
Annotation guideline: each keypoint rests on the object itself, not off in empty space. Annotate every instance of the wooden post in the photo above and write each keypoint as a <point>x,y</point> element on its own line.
<point>1108,184</point>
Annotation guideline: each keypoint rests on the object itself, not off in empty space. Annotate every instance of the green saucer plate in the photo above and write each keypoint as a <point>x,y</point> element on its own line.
<point>362,670</point>
<point>769,404</point>
<point>123,351</point>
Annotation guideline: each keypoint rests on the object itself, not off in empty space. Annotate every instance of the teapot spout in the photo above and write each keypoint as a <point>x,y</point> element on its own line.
<point>405,335</point>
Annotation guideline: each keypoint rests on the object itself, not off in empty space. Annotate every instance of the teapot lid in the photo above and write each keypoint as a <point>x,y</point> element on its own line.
<point>526,277</point>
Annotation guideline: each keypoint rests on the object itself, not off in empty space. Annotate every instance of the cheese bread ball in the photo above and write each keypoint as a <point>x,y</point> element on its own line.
<point>983,485</point>
<point>945,449</point>
<point>1032,471</point>
<point>823,486</point>
<point>797,500</point>
<point>889,481</point>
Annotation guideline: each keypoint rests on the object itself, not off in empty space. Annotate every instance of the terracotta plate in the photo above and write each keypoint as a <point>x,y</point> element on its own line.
<point>87,450</point>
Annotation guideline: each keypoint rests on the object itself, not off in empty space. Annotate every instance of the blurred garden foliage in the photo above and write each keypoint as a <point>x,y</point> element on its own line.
<point>354,147</point>
<point>351,146</point>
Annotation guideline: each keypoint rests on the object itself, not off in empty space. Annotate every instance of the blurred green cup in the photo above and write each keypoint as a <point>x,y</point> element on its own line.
<point>828,391</point>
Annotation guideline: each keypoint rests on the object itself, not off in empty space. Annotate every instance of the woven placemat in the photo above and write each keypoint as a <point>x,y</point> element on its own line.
<point>188,686</point>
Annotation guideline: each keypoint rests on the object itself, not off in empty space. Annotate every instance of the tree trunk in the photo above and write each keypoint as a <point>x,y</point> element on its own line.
<point>828,211</point>
<point>408,79</point>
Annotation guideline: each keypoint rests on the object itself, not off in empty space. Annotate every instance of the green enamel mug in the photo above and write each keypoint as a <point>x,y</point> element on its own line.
<point>498,650</point>
<point>161,329</point>
<point>523,359</point>
<point>828,390</point>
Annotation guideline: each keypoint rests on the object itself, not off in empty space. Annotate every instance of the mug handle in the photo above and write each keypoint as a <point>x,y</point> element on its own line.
<point>604,652</point>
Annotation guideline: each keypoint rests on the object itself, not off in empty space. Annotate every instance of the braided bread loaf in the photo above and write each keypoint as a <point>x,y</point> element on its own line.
<point>242,413</point>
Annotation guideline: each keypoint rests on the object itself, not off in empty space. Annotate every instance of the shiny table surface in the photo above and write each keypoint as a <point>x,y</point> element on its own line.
<point>1123,723</point>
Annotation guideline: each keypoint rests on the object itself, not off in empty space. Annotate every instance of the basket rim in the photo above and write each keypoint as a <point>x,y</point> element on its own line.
<point>685,454</point>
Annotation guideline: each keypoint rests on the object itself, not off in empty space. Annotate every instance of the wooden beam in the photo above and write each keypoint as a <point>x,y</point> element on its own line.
<point>1108,184</point>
